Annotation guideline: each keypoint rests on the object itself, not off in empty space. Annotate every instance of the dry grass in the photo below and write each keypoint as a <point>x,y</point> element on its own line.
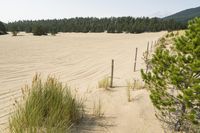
<point>46,107</point>
<point>104,83</point>
<point>97,109</point>
<point>130,86</point>
<point>135,85</point>
<point>138,85</point>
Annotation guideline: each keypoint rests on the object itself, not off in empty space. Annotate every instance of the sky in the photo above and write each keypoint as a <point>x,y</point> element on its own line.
<point>14,10</point>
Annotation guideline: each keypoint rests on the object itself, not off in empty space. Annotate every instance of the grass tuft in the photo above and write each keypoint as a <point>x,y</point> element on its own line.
<point>134,85</point>
<point>104,83</point>
<point>130,86</point>
<point>45,107</point>
<point>138,85</point>
<point>97,109</point>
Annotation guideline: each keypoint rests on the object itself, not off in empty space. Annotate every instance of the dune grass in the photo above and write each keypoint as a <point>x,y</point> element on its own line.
<point>130,86</point>
<point>45,107</point>
<point>104,83</point>
<point>97,109</point>
<point>133,85</point>
<point>138,85</point>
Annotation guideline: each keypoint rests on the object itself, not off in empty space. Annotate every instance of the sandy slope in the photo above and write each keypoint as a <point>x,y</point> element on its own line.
<point>81,60</point>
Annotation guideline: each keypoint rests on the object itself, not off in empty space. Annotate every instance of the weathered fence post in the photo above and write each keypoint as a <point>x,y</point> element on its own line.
<point>112,72</point>
<point>136,50</point>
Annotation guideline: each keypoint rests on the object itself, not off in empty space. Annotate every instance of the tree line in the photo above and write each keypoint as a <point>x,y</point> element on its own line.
<point>2,29</point>
<point>92,24</point>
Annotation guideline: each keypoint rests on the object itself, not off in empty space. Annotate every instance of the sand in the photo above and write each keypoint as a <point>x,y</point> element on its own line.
<point>81,60</point>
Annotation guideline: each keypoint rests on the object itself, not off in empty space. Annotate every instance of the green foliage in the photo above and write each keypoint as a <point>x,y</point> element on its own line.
<point>110,25</point>
<point>45,107</point>
<point>2,29</point>
<point>39,30</point>
<point>174,80</point>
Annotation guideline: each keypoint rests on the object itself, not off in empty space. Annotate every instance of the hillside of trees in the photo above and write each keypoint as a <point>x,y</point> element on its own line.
<point>2,29</point>
<point>90,24</point>
<point>185,16</point>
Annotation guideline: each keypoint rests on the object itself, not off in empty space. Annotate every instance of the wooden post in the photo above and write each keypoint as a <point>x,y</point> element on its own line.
<point>147,57</point>
<point>135,59</point>
<point>112,72</point>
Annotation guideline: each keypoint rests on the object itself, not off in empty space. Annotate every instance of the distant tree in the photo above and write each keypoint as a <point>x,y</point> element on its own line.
<point>2,29</point>
<point>53,31</point>
<point>28,29</point>
<point>14,30</point>
<point>174,81</point>
<point>39,30</point>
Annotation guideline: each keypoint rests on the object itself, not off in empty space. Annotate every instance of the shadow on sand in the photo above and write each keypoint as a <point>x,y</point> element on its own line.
<point>92,124</point>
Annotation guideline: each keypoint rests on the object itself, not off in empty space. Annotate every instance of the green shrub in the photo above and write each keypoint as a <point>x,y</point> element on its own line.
<point>174,81</point>
<point>45,107</point>
<point>39,30</point>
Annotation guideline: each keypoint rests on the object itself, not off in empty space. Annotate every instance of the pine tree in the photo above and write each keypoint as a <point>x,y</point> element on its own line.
<point>174,80</point>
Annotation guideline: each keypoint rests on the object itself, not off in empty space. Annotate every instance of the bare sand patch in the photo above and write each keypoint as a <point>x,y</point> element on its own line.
<point>81,60</point>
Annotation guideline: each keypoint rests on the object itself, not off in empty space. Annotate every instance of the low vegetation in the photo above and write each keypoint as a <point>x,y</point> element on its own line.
<point>138,85</point>
<point>39,30</point>
<point>104,83</point>
<point>130,84</point>
<point>98,109</point>
<point>46,107</point>
<point>135,85</point>
<point>174,80</point>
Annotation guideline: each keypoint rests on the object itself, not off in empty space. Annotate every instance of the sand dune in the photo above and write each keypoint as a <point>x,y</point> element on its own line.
<point>81,60</point>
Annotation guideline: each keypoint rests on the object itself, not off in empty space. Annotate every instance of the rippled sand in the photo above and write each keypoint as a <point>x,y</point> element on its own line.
<point>80,60</point>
